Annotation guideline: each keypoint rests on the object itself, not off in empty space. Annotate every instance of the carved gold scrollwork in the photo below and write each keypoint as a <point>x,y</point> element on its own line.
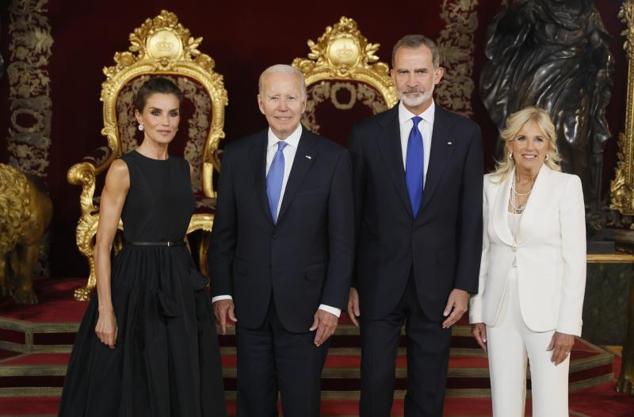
<point>622,187</point>
<point>343,53</point>
<point>342,59</point>
<point>334,89</point>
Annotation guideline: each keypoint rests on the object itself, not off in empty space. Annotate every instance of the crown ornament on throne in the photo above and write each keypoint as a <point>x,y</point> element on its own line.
<point>342,52</point>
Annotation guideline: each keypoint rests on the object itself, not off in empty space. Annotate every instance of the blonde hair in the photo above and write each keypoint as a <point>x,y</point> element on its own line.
<point>514,123</point>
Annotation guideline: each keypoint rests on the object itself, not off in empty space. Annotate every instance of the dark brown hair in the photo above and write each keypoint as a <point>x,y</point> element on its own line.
<point>415,41</point>
<point>155,85</point>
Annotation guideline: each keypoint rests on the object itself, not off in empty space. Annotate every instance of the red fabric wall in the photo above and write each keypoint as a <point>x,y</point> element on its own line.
<point>243,38</point>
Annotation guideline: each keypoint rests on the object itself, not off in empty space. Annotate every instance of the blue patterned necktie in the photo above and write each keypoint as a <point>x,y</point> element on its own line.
<point>414,166</point>
<point>274,179</point>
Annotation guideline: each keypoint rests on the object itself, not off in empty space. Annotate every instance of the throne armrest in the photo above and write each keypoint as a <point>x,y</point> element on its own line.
<point>100,158</point>
<point>85,173</point>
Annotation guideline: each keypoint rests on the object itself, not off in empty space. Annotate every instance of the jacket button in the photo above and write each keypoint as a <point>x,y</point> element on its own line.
<point>274,236</point>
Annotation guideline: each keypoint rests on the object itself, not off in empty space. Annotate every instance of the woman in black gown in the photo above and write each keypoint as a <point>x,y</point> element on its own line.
<point>147,345</point>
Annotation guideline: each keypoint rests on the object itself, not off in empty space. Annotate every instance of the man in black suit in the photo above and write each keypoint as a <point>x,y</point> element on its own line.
<point>282,250</point>
<point>418,199</point>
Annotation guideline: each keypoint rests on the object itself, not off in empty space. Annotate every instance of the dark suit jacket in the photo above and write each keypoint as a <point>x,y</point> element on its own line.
<point>302,261</point>
<point>443,242</point>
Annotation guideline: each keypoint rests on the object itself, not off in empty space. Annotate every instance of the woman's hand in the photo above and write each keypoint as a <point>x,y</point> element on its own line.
<point>561,344</point>
<point>106,328</point>
<point>479,331</point>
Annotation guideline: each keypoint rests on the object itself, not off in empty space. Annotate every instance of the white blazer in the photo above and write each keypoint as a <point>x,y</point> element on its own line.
<point>550,253</point>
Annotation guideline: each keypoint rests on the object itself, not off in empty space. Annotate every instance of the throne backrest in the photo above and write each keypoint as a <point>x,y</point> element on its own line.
<point>162,46</point>
<point>345,81</point>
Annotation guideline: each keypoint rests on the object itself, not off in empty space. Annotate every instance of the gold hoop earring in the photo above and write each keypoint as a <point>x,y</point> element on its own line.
<point>546,157</point>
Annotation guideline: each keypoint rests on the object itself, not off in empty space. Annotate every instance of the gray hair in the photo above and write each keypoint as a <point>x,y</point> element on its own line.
<point>283,69</point>
<point>416,41</point>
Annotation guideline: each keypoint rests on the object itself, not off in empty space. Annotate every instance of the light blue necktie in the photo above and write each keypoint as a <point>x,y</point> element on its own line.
<point>274,179</point>
<point>414,166</point>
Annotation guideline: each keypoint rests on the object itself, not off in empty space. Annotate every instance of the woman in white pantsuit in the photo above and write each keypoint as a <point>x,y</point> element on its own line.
<point>533,270</point>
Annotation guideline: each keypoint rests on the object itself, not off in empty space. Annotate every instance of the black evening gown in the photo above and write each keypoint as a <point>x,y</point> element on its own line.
<point>167,361</point>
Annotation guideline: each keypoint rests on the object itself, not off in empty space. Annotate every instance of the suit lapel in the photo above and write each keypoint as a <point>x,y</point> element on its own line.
<point>257,157</point>
<point>301,165</point>
<point>440,153</point>
<point>390,147</point>
<point>501,211</point>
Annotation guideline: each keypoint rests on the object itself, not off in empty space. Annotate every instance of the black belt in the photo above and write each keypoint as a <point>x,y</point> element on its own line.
<point>165,243</point>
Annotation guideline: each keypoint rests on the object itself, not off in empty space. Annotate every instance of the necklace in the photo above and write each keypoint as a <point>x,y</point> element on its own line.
<point>517,192</point>
<point>515,207</point>
<point>514,201</point>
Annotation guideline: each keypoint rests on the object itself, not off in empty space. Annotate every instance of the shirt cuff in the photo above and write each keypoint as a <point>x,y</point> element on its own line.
<point>221,297</point>
<point>332,310</point>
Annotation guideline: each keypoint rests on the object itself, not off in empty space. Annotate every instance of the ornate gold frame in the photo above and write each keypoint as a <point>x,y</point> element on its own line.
<point>343,53</point>
<point>161,45</point>
<point>622,187</point>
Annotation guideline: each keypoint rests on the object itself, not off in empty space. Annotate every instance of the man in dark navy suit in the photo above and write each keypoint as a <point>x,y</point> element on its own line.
<point>418,202</point>
<point>282,251</point>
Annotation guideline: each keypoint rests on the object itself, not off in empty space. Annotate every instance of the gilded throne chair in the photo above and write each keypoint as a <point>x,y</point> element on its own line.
<point>160,46</point>
<point>345,81</point>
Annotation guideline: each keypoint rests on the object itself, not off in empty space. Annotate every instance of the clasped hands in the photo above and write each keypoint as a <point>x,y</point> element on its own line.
<point>324,323</point>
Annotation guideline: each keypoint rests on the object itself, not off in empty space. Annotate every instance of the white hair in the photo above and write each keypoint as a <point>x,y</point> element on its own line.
<point>283,69</point>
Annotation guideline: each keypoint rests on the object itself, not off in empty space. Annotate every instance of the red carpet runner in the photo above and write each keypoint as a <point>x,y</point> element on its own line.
<point>35,343</point>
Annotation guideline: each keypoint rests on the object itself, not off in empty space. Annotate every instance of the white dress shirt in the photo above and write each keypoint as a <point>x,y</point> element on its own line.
<point>425,127</point>
<point>289,151</point>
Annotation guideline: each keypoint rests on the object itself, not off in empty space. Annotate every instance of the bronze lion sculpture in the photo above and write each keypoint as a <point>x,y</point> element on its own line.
<point>25,212</point>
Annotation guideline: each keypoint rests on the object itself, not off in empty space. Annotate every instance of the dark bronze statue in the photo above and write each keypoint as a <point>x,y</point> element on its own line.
<point>554,54</point>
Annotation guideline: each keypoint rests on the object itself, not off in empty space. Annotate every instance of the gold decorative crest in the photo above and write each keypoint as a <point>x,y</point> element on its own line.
<point>343,53</point>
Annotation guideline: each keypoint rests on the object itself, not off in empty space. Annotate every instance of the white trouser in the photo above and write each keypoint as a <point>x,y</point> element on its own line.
<point>509,344</point>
